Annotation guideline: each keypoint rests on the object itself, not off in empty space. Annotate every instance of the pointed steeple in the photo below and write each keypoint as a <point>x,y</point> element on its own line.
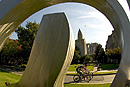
<point>80,36</point>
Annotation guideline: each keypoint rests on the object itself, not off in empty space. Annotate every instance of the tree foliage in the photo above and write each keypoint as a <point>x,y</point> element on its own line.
<point>9,53</point>
<point>87,59</point>
<point>26,37</point>
<point>113,55</point>
<point>16,52</point>
<point>99,54</point>
<point>76,57</point>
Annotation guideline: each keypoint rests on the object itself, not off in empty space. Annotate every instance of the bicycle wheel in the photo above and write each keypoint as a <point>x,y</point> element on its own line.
<point>91,75</point>
<point>76,78</point>
<point>82,78</point>
<point>87,78</point>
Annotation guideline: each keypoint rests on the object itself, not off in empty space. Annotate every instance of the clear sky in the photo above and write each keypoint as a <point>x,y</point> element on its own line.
<point>93,24</point>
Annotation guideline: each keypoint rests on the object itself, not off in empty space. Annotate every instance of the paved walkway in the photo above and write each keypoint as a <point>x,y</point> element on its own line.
<point>95,80</point>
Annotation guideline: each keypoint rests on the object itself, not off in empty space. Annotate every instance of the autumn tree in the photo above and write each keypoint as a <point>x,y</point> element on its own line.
<point>26,37</point>
<point>9,53</point>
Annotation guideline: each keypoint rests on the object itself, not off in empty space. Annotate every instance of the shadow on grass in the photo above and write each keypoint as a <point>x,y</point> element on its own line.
<point>4,71</point>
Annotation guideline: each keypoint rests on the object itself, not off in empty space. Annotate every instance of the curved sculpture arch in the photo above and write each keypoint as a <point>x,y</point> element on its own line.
<point>19,10</point>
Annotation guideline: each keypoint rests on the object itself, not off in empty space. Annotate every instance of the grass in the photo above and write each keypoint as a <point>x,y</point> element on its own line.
<point>105,72</point>
<point>87,85</point>
<point>13,78</point>
<point>8,77</point>
<point>73,67</point>
<point>109,66</point>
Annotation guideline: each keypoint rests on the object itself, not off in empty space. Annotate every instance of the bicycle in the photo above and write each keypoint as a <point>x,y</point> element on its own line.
<point>83,77</point>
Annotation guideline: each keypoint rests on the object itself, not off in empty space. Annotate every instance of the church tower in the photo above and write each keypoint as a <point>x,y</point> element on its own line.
<point>80,36</point>
<point>81,43</point>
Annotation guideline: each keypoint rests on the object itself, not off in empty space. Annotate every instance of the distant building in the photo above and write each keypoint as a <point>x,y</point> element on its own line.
<point>113,41</point>
<point>88,48</point>
<point>91,47</point>
<point>81,43</point>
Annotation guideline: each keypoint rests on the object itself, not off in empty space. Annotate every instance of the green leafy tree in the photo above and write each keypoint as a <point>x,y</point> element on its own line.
<point>113,55</point>
<point>76,58</point>
<point>87,59</point>
<point>99,55</point>
<point>102,58</point>
<point>18,51</point>
<point>117,54</point>
<point>26,37</point>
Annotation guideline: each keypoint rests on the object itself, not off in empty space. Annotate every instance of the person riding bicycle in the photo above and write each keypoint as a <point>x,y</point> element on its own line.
<point>86,69</point>
<point>79,69</point>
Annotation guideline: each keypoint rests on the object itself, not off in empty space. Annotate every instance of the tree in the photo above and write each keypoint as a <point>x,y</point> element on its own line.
<point>99,54</point>
<point>8,54</point>
<point>117,54</point>
<point>114,55</point>
<point>26,37</point>
<point>18,51</point>
<point>87,59</point>
<point>76,56</point>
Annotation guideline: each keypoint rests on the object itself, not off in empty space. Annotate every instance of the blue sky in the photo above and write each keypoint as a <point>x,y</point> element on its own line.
<point>93,24</point>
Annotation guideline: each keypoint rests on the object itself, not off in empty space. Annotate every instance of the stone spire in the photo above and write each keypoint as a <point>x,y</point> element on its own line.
<point>80,36</point>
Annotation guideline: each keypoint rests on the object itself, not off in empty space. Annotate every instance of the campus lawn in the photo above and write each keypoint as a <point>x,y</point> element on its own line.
<point>8,77</point>
<point>87,85</point>
<point>13,78</point>
<point>73,67</point>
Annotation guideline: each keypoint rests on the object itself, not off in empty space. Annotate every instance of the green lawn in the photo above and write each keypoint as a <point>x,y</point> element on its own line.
<point>73,68</point>
<point>8,77</point>
<point>87,85</point>
<point>13,78</point>
<point>105,72</point>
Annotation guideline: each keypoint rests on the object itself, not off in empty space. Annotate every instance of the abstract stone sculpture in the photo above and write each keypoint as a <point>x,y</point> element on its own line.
<point>51,54</point>
<point>22,9</point>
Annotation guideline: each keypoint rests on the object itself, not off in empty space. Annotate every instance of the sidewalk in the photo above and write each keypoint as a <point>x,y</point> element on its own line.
<point>97,78</point>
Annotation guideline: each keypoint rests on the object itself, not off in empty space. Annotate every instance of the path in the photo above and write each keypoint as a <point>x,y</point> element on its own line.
<point>96,79</point>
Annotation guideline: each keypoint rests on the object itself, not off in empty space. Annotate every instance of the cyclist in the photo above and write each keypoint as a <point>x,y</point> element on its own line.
<point>79,70</point>
<point>85,67</point>
<point>86,70</point>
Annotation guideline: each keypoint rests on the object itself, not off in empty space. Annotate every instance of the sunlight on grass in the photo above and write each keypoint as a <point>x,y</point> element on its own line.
<point>73,67</point>
<point>8,77</point>
<point>13,78</point>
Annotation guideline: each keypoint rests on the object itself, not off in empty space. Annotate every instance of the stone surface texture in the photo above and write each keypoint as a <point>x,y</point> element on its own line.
<point>51,54</point>
<point>110,8</point>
